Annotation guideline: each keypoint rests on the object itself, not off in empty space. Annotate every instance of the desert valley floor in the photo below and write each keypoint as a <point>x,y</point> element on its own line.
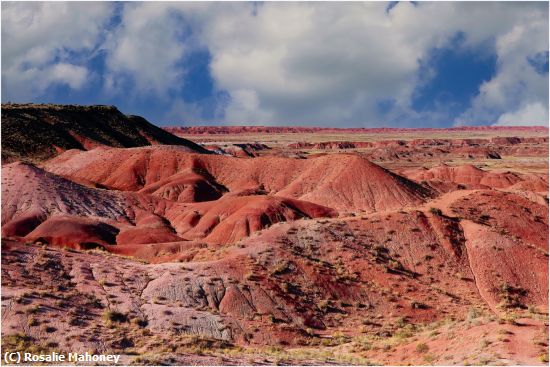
<point>209,245</point>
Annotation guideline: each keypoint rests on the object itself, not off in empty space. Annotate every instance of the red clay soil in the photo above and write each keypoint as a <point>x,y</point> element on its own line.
<point>186,186</point>
<point>422,150</point>
<point>231,219</point>
<point>60,212</point>
<point>509,213</point>
<point>73,231</point>
<point>474,177</point>
<point>333,254</point>
<point>472,342</point>
<point>343,182</point>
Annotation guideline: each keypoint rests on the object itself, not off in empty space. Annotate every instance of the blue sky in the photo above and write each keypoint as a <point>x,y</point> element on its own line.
<point>321,64</point>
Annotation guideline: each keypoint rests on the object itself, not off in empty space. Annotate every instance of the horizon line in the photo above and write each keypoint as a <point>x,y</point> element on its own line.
<point>478,126</point>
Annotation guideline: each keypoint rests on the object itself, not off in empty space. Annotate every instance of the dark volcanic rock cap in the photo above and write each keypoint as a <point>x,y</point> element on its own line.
<point>37,132</point>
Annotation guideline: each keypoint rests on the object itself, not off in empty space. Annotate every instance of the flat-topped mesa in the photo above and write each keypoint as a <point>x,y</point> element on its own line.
<point>227,130</point>
<point>36,132</point>
<point>59,107</point>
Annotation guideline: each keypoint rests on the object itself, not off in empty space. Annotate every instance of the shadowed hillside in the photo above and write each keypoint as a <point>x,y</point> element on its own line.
<point>37,132</point>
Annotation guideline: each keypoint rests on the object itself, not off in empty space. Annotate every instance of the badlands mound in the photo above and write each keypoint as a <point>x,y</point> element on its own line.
<point>342,182</point>
<point>37,132</point>
<point>30,196</point>
<point>474,177</point>
<point>40,205</point>
<point>230,219</point>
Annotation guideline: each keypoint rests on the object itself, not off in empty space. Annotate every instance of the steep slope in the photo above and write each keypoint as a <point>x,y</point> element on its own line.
<point>344,182</point>
<point>312,278</point>
<point>208,313</point>
<point>350,182</point>
<point>39,205</point>
<point>507,213</point>
<point>30,195</point>
<point>30,191</point>
<point>231,219</point>
<point>506,242</point>
<point>186,186</point>
<point>37,132</point>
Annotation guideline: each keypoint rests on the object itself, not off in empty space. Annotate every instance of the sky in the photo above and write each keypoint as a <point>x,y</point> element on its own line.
<point>349,64</point>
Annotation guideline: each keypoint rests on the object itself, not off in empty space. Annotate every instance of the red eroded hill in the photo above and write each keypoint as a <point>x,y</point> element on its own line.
<point>419,264</point>
<point>329,256</point>
<point>532,182</point>
<point>39,205</point>
<point>508,213</point>
<point>507,240</point>
<point>189,185</point>
<point>231,219</point>
<point>476,177</point>
<point>73,231</point>
<point>342,182</point>
<point>30,195</point>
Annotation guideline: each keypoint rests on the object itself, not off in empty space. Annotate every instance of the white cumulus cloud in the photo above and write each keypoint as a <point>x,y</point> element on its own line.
<point>315,63</point>
<point>332,63</point>
<point>530,114</point>
<point>517,90</point>
<point>37,38</point>
<point>146,47</point>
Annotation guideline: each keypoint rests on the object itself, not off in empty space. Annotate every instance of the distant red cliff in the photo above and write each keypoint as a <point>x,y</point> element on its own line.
<point>212,130</point>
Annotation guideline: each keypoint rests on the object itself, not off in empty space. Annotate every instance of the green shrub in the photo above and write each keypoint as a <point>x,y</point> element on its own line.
<point>436,211</point>
<point>422,348</point>
<point>110,316</point>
